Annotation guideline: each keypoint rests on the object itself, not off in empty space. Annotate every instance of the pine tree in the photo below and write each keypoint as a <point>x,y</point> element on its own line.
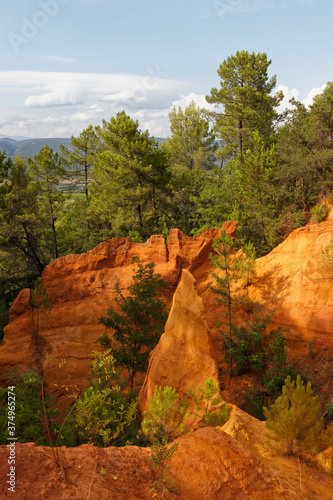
<point>130,179</point>
<point>294,420</point>
<point>166,417</point>
<point>246,96</point>
<point>46,169</point>
<point>82,155</point>
<point>229,283</point>
<point>138,319</point>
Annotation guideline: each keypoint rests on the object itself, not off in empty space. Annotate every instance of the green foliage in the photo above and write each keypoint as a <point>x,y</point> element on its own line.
<point>294,420</point>
<point>24,226</point>
<point>319,212</point>
<point>159,462</point>
<point>205,400</point>
<point>166,418</point>
<point>329,410</point>
<point>227,287</point>
<point>274,377</point>
<point>130,179</point>
<point>249,347</point>
<point>246,96</point>
<point>81,156</point>
<point>46,169</point>
<point>102,415</point>
<point>138,321</point>
<point>304,174</point>
<point>254,403</point>
<point>29,413</point>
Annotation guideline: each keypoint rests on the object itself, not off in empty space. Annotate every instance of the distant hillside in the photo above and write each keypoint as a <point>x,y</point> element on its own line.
<point>28,148</point>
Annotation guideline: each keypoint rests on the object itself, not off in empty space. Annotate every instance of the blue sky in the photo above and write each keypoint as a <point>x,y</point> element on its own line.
<point>68,63</point>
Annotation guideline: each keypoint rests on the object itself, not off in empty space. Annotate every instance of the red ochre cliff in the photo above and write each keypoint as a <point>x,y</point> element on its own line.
<point>292,280</point>
<point>230,462</point>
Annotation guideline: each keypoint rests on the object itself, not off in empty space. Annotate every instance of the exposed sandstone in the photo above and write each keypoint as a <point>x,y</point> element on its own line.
<point>208,465</point>
<point>80,289</point>
<point>183,356</point>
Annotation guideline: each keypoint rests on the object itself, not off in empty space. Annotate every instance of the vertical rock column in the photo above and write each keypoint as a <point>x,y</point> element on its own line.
<point>182,357</point>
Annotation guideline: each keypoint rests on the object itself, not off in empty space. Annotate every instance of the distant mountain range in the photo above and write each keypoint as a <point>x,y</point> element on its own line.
<point>28,148</point>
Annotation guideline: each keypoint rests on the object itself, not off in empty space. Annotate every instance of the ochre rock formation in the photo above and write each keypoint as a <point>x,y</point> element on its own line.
<point>183,355</point>
<point>208,465</point>
<point>80,289</point>
<point>294,281</point>
<point>291,280</point>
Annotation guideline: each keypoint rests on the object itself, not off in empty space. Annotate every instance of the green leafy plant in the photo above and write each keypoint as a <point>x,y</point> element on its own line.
<point>159,463</point>
<point>274,377</point>
<point>163,423</point>
<point>205,402</point>
<point>250,346</point>
<point>294,420</point>
<point>167,414</point>
<point>29,411</point>
<point>254,403</point>
<point>102,415</point>
<point>319,212</point>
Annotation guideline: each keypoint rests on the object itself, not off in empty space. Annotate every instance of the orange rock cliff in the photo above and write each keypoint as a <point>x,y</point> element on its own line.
<point>228,462</point>
<point>290,280</point>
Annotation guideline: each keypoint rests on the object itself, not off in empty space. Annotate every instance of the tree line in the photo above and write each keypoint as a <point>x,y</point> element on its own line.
<point>244,161</point>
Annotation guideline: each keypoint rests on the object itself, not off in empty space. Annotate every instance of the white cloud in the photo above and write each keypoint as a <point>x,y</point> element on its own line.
<point>68,60</point>
<point>126,96</point>
<point>310,95</point>
<point>287,95</point>
<point>47,104</point>
<point>198,99</point>
<point>61,104</point>
<point>294,93</point>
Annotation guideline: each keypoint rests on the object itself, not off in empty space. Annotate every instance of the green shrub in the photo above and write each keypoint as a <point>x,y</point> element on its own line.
<point>205,401</point>
<point>254,403</point>
<point>102,415</point>
<point>294,420</point>
<point>167,414</point>
<point>319,212</point>
<point>249,346</point>
<point>159,463</point>
<point>29,412</point>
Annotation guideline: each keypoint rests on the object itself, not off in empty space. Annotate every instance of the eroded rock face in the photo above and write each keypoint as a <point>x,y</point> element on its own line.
<point>208,465</point>
<point>293,280</point>
<point>183,355</point>
<point>80,289</point>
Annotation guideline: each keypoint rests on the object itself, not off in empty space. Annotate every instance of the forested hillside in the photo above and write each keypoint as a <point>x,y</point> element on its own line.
<point>27,148</point>
<point>244,162</point>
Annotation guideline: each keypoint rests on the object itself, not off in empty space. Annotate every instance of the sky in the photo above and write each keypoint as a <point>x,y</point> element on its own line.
<point>66,64</point>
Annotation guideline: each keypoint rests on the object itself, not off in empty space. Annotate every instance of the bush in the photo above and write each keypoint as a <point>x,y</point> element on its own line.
<point>29,412</point>
<point>295,417</point>
<point>165,420</point>
<point>205,400</point>
<point>254,403</point>
<point>249,347</point>
<point>102,416</point>
<point>319,212</point>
